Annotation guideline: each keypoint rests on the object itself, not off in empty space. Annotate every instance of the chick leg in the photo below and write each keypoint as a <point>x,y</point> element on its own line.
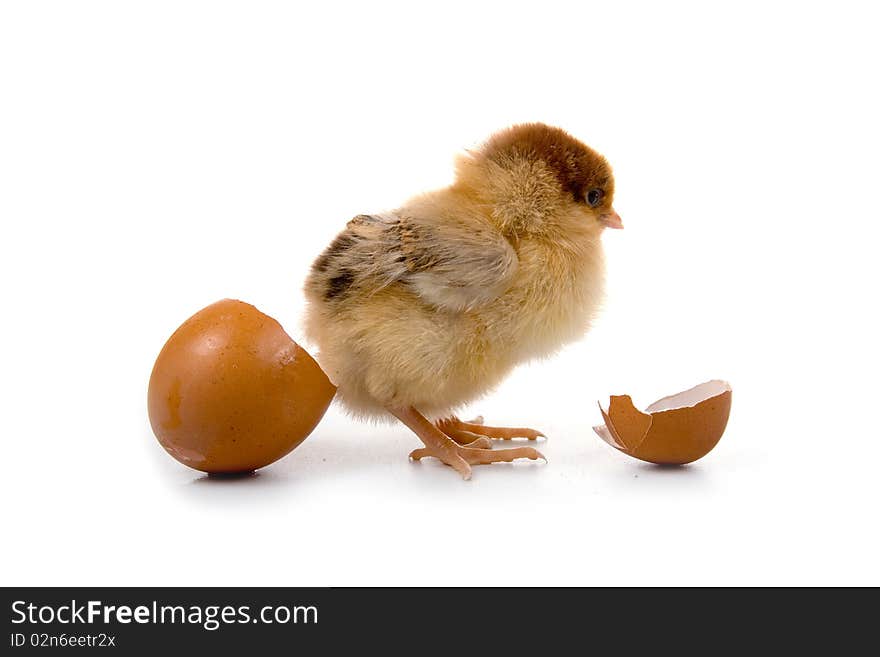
<point>461,436</point>
<point>466,432</point>
<point>442,447</point>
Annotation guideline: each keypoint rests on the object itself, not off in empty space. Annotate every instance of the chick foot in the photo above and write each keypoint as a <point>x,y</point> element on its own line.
<point>469,433</point>
<point>461,458</point>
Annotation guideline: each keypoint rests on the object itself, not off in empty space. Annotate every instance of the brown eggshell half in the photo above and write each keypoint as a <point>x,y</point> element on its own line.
<point>231,392</point>
<point>677,429</point>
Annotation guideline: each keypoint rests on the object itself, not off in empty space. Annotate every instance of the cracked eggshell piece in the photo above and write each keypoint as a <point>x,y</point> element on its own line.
<point>232,392</point>
<point>676,430</point>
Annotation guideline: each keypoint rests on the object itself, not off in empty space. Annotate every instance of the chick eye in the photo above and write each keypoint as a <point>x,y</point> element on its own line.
<point>594,197</point>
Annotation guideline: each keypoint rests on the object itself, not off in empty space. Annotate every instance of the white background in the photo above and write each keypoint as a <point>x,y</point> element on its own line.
<point>156,157</point>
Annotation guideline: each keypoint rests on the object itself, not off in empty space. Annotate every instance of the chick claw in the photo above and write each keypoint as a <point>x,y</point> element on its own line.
<point>461,458</point>
<point>465,433</point>
<point>441,438</point>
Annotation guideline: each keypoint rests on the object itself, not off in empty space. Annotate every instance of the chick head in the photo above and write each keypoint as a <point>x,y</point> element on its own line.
<point>540,180</point>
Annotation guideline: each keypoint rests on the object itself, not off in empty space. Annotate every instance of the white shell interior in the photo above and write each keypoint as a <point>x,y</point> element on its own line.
<point>605,435</point>
<point>690,397</point>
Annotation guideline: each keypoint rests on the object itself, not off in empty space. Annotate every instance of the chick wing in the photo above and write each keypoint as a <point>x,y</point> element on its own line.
<point>451,264</point>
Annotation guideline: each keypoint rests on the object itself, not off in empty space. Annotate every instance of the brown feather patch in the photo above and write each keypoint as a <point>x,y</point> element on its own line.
<point>342,243</point>
<point>577,167</point>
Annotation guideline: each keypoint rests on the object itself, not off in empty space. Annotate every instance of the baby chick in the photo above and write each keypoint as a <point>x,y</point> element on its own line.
<point>423,309</point>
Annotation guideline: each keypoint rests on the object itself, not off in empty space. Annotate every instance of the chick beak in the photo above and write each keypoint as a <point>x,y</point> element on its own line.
<point>611,220</point>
